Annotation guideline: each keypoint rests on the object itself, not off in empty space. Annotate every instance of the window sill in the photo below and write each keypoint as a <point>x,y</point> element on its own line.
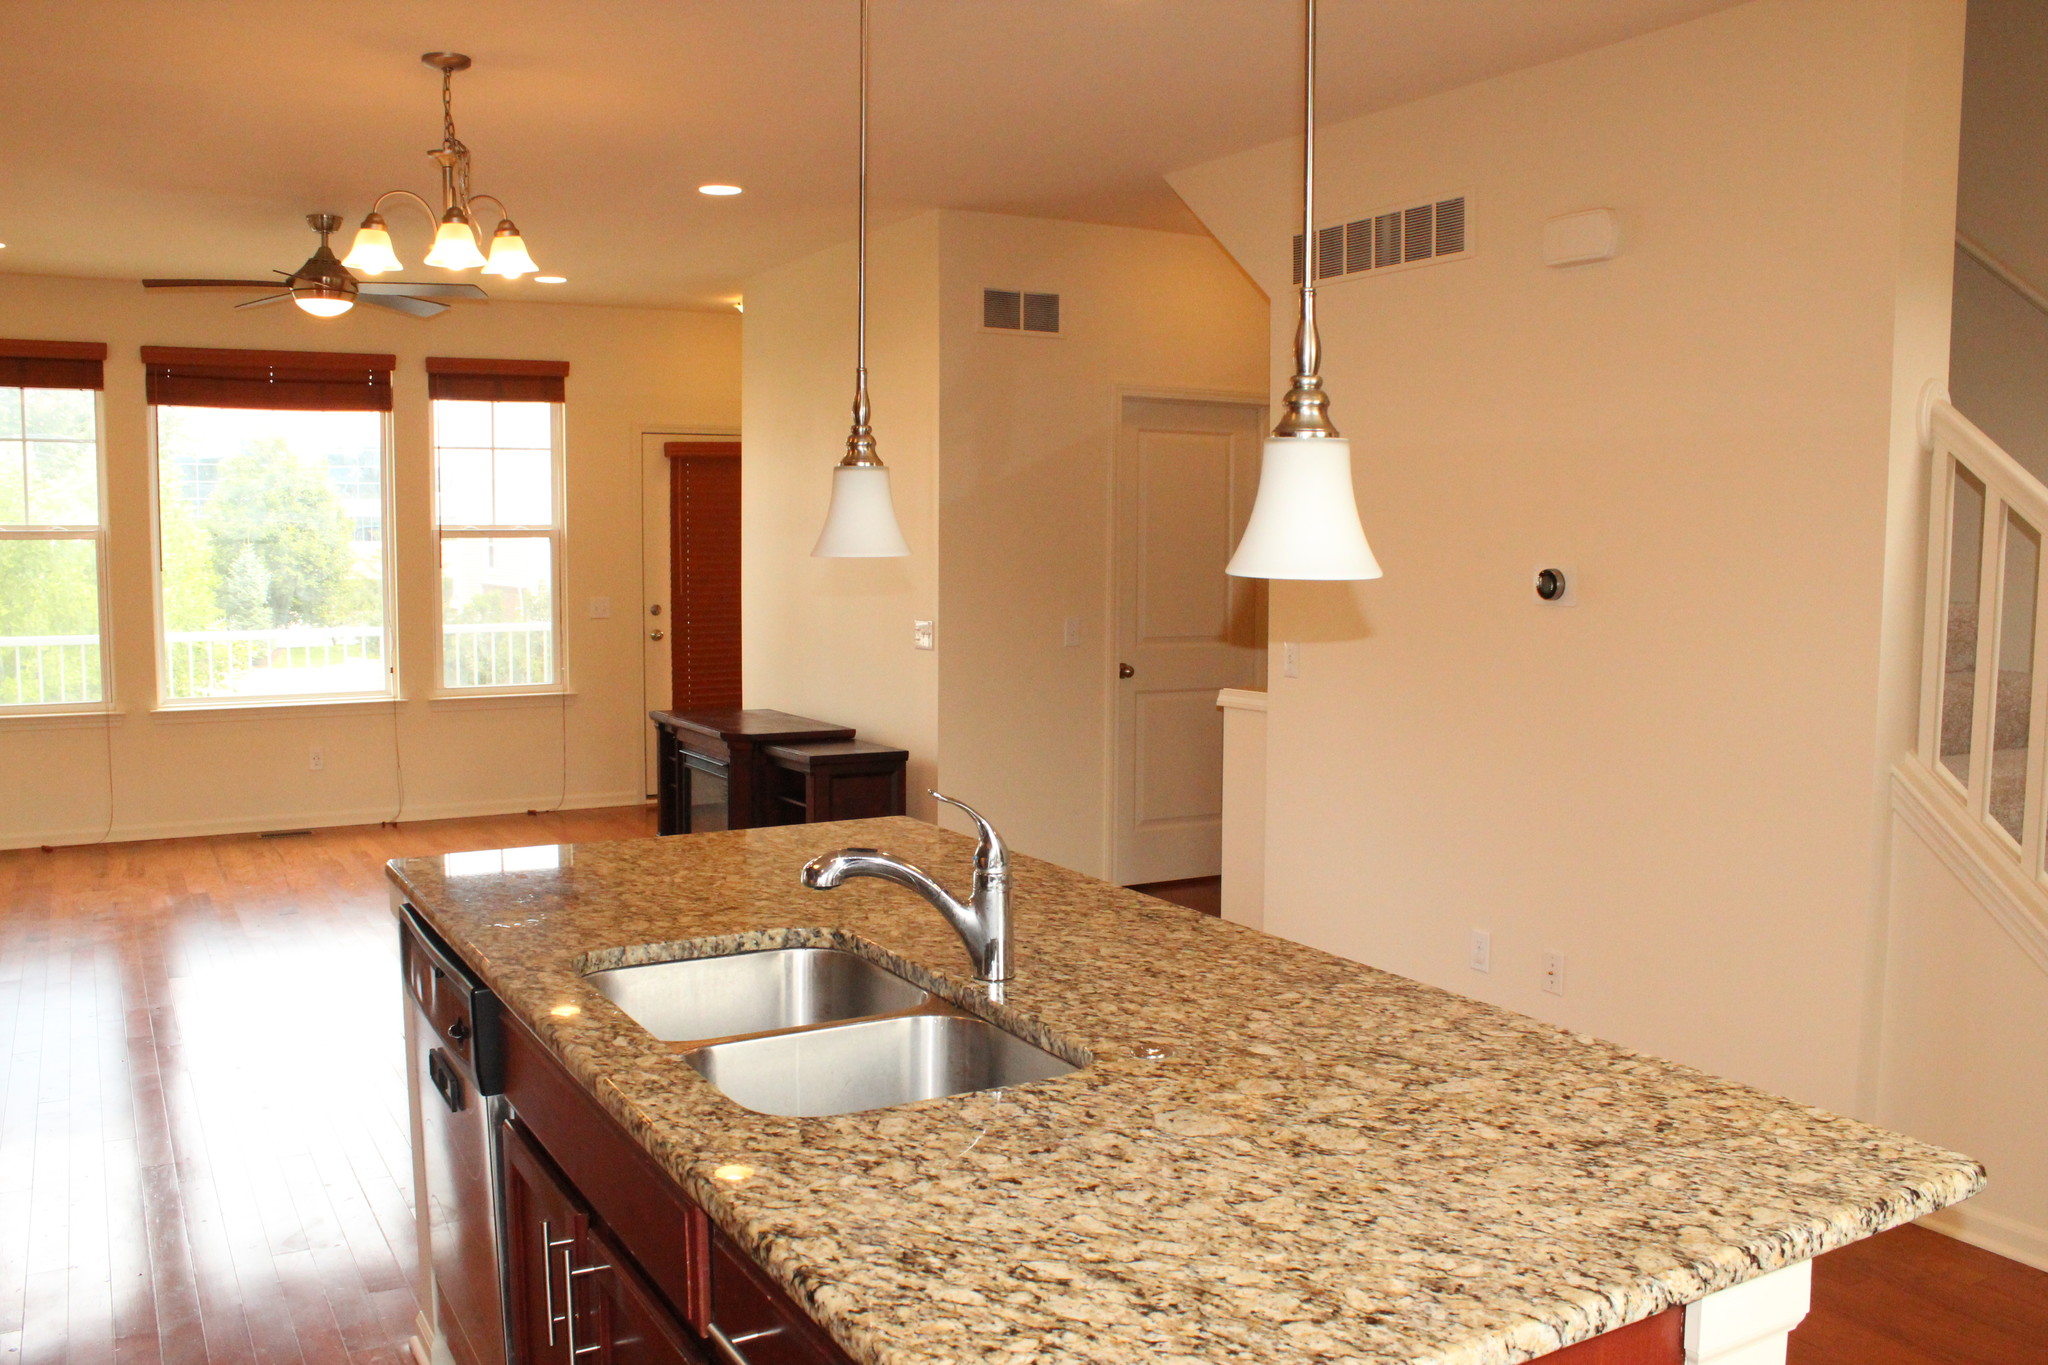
<point>499,701</point>
<point>61,720</point>
<point>282,708</point>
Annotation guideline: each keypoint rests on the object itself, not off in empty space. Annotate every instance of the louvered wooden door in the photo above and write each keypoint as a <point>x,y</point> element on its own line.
<point>704,574</point>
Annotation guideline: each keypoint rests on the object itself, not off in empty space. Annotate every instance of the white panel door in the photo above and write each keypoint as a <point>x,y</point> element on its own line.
<point>1186,473</point>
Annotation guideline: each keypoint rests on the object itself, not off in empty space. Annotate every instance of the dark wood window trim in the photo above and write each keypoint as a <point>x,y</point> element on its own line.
<point>53,364</point>
<point>497,381</point>
<point>305,381</point>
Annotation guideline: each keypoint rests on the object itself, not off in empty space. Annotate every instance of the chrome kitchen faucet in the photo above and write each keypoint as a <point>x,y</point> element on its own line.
<point>983,923</point>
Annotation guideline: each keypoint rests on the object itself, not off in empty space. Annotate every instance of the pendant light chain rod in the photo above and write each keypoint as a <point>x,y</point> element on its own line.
<point>1306,406</point>
<point>860,443</point>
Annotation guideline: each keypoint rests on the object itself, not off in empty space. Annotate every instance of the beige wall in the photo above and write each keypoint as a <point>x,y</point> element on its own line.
<point>1002,451</point>
<point>831,638</point>
<point>188,773</point>
<point>1025,538</point>
<point>1675,783</point>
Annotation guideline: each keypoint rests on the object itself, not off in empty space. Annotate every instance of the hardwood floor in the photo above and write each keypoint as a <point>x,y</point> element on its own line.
<point>203,1154</point>
<point>1201,894</point>
<point>203,1150</point>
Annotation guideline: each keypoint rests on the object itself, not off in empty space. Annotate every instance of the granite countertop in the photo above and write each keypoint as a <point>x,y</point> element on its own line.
<point>1331,1163</point>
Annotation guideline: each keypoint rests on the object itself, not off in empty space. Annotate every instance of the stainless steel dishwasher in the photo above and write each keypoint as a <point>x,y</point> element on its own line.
<point>455,1062</point>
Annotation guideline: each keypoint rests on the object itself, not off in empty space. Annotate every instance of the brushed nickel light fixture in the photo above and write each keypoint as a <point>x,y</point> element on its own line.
<point>861,522</point>
<point>1304,521</point>
<point>456,234</point>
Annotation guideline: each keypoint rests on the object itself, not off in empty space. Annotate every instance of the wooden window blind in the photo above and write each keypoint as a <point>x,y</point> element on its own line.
<point>704,573</point>
<point>497,381</point>
<point>53,364</point>
<point>305,381</point>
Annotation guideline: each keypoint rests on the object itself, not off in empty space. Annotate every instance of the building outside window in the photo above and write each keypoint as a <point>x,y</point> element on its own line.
<point>273,564</point>
<point>52,528</point>
<point>498,512</point>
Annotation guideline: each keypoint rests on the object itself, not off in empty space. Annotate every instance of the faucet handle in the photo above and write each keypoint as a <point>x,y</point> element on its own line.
<point>993,856</point>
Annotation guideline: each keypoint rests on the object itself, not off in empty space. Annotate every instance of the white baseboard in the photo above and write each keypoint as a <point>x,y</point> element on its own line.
<point>368,815</point>
<point>2008,1237</point>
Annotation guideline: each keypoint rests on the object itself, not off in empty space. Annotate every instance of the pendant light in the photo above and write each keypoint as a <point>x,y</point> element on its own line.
<point>861,522</point>
<point>1304,522</point>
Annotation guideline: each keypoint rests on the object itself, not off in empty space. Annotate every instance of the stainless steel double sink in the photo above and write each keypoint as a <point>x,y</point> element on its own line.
<point>806,1032</point>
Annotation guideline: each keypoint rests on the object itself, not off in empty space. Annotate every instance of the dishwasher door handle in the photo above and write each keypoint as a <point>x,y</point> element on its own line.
<point>447,1080</point>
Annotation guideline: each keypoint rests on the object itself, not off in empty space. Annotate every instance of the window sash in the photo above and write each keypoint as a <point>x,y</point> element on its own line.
<point>387,631</point>
<point>448,655</point>
<point>94,533</point>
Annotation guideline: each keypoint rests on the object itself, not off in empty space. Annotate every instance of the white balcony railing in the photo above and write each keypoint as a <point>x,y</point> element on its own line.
<point>46,670</point>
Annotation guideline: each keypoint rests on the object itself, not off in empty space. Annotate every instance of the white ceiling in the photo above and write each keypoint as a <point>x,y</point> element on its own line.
<point>187,137</point>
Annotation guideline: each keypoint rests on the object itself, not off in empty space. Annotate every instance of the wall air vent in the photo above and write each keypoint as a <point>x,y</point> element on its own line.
<point>1414,234</point>
<point>1013,310</point>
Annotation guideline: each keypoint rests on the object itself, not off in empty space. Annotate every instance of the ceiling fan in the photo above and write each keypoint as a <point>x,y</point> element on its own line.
<point>325,288</point>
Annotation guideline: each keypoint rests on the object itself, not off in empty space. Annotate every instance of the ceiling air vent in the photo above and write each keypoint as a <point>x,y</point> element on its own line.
<point>1414,234</point>
<point>1013,310</point>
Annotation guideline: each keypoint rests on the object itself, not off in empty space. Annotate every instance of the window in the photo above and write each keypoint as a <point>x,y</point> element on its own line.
<point>273,566</point>
<point>52,532</point>
<point>497,507</point>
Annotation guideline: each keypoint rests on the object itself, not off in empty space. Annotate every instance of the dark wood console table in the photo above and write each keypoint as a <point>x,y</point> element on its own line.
<point>715,771</point>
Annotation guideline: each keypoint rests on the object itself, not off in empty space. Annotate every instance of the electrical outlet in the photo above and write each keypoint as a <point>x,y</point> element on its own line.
<point>316,758</point>
<point>1479,955</point>
<point>920,635</point>
<point>600,608</point>
<point>1070,632</point>
<point>1553,973</point>
<point>1290,659</point>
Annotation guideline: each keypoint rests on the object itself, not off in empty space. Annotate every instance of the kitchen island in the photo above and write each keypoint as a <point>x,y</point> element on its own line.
<point>1271,1154</point>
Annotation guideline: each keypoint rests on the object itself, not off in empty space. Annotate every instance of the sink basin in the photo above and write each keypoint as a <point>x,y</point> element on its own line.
<point>871,1064</point>
<point>780,988</point>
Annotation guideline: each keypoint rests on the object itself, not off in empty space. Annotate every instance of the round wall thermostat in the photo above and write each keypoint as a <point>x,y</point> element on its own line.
<point>1550,584</point>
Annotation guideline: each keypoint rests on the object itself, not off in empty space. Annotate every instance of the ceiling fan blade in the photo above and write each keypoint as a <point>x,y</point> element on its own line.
<point>209,284</point>
<point>266,302</point>
<point>402,303</point>
<point>422,291</point>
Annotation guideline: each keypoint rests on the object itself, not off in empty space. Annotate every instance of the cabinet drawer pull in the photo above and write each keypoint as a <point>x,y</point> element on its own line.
<point>569,1303</point>
<point>549,1245</point>
<point>729,1347</point>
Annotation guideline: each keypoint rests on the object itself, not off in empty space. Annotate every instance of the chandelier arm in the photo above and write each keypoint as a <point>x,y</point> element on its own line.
<point>433,218</point>
<point>503,212</point>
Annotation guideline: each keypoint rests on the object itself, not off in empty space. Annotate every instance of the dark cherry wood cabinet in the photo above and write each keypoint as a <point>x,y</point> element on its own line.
<point>847,779</point>
<point>711,769</point>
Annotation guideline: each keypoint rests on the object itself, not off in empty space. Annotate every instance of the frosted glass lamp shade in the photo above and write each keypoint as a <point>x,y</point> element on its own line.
<point>372,253</point>
<point>508,253</point>
<point>455,245</point>
<point>1304,522</point>
<point>861,523</point>
<point>324,306</point>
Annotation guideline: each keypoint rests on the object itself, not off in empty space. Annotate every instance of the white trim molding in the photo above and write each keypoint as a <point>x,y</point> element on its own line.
<point>1747,1324</point>
<point>1995,1232</point>
<point>1976,857</point>
<point>1241,699</point>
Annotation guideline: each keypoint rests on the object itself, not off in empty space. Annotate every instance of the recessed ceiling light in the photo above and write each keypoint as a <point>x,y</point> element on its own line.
<point>719,189</point>
<point>550,279</point>
<point>739,305</point>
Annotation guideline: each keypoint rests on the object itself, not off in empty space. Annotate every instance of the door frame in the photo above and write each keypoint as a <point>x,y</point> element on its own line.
<point>654,545</point>
<point>1112,581</point>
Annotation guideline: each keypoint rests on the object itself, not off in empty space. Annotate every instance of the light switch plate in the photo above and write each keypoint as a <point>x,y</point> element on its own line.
<point>600,608</point>
<point>1479,954</point>
<point>1070,632</point>
<point>1553,973</point>
<point>921,634</point>
<point>1290,658</point>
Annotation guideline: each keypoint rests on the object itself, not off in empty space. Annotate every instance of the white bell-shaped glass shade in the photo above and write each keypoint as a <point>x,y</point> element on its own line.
<point>455,247</point>
<point>508,253</point>
<point>372,254</point>
<point>861,523</point>
<point>1304,522</point>
<point>323,307</point>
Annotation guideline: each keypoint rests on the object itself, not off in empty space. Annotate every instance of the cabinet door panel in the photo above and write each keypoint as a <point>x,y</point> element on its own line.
<point>635,1327</point>
<point>544,1230</point>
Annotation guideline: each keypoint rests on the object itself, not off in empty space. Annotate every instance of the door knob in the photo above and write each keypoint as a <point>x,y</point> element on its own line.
<point>1126,671</point>
<point>654,635</point>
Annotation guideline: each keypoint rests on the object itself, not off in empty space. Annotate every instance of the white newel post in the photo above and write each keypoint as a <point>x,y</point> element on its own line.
<point>1747,1325</point>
